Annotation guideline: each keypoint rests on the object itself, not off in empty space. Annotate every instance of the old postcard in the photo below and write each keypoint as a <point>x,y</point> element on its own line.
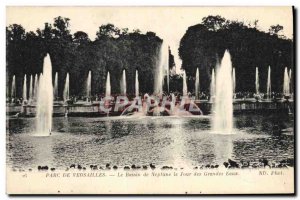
<point>150,100</point>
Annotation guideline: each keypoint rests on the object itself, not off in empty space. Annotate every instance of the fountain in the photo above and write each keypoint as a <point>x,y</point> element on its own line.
<point>107,93</point>
<point>167,68</point>
<point>56,85</point>
<point>184,85</point>
<point>173,97</point>
<point>162,65</point>
<point>137,83</point>
<point>30,89</point>
<point>290,79</point>
<point>108,86</point>
<point>197,84</point>
<point>223,107</point>
<point>35,87</point>
<point>88,85</point>
<point>213,85</point>
<point>233,80</point>
<point>123,83</point>
<point>286,83</point>
<point>66,93</point>
<point>158,84</point>
<point>256,81</point>
<point>269,84</point>
<point>24,90</point>
<point>187,107</point>
<point>45,100</point>
<point>13,87</point>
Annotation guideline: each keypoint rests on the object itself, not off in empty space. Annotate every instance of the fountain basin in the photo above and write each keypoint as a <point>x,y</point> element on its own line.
<point>172,141</point>
<point>239,106</point>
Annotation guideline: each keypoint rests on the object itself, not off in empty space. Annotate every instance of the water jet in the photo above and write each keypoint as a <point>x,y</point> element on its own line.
<point>223,105</point>
<point>45,100</point>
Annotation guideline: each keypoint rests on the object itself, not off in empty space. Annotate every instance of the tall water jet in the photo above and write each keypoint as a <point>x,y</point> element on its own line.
<point>66,94</point>
<point>31,89</point>
<point>123,83</point>
<point>290,79</point>
<point>286,83</point>
<point>162,66</point>
<point>223,116</point>
<point>56,85</point>
<point>35,91</point>
<point>197,84</point>
<point>158,84</point>
<point>213,85</point>
<point>24,89</point>
<point>269,83</point>
<point>167,68</point>
<point>13,87</point>
<point>88,84</point>
<point>108,86</point>
<point>137,92</point>
<point>45,100</point>
<point>256,81</point>
<point>184,85</point>
<point>233,80</point>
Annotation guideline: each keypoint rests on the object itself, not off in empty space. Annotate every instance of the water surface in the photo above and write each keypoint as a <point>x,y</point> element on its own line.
<point>171,141</point>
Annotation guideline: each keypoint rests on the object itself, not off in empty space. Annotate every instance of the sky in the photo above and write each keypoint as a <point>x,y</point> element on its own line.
<point>169,23</point>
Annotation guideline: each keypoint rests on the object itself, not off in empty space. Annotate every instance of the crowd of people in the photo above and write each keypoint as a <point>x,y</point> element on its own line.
<point>201,96</point>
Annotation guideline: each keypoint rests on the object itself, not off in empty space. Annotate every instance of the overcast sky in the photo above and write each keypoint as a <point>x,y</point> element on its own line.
<point>169,23</point>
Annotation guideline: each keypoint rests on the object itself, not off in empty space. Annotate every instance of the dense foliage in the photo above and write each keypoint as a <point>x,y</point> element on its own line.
<point>113,50</point>
<point>203,46</point>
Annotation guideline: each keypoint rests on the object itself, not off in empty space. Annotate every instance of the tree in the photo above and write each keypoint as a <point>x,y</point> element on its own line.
<point>81,37</point>
<point>274,29</point>
<point>151,34</point>
<point>124,31</point>
<point>61,30</point>
<point>136,30</point>
<point>203,46</point>
<point>31,36</point>
<point>108,31</point>
<point>46,33</point>
<point>213,23</point>
<point>15,32</point>
<point>255,23</point>
<point>112,51</point>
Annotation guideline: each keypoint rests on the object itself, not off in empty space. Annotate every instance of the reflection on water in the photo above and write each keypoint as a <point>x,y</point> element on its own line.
<point>171,141</point>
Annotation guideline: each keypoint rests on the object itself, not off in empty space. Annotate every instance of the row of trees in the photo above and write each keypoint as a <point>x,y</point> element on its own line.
<point>203,46</point>
<point>113,50</point>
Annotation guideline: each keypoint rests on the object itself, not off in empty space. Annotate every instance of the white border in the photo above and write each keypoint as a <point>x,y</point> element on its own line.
<point>5,3</point>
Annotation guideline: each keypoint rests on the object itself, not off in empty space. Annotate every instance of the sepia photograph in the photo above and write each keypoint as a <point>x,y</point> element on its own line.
<point>150,100</point>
